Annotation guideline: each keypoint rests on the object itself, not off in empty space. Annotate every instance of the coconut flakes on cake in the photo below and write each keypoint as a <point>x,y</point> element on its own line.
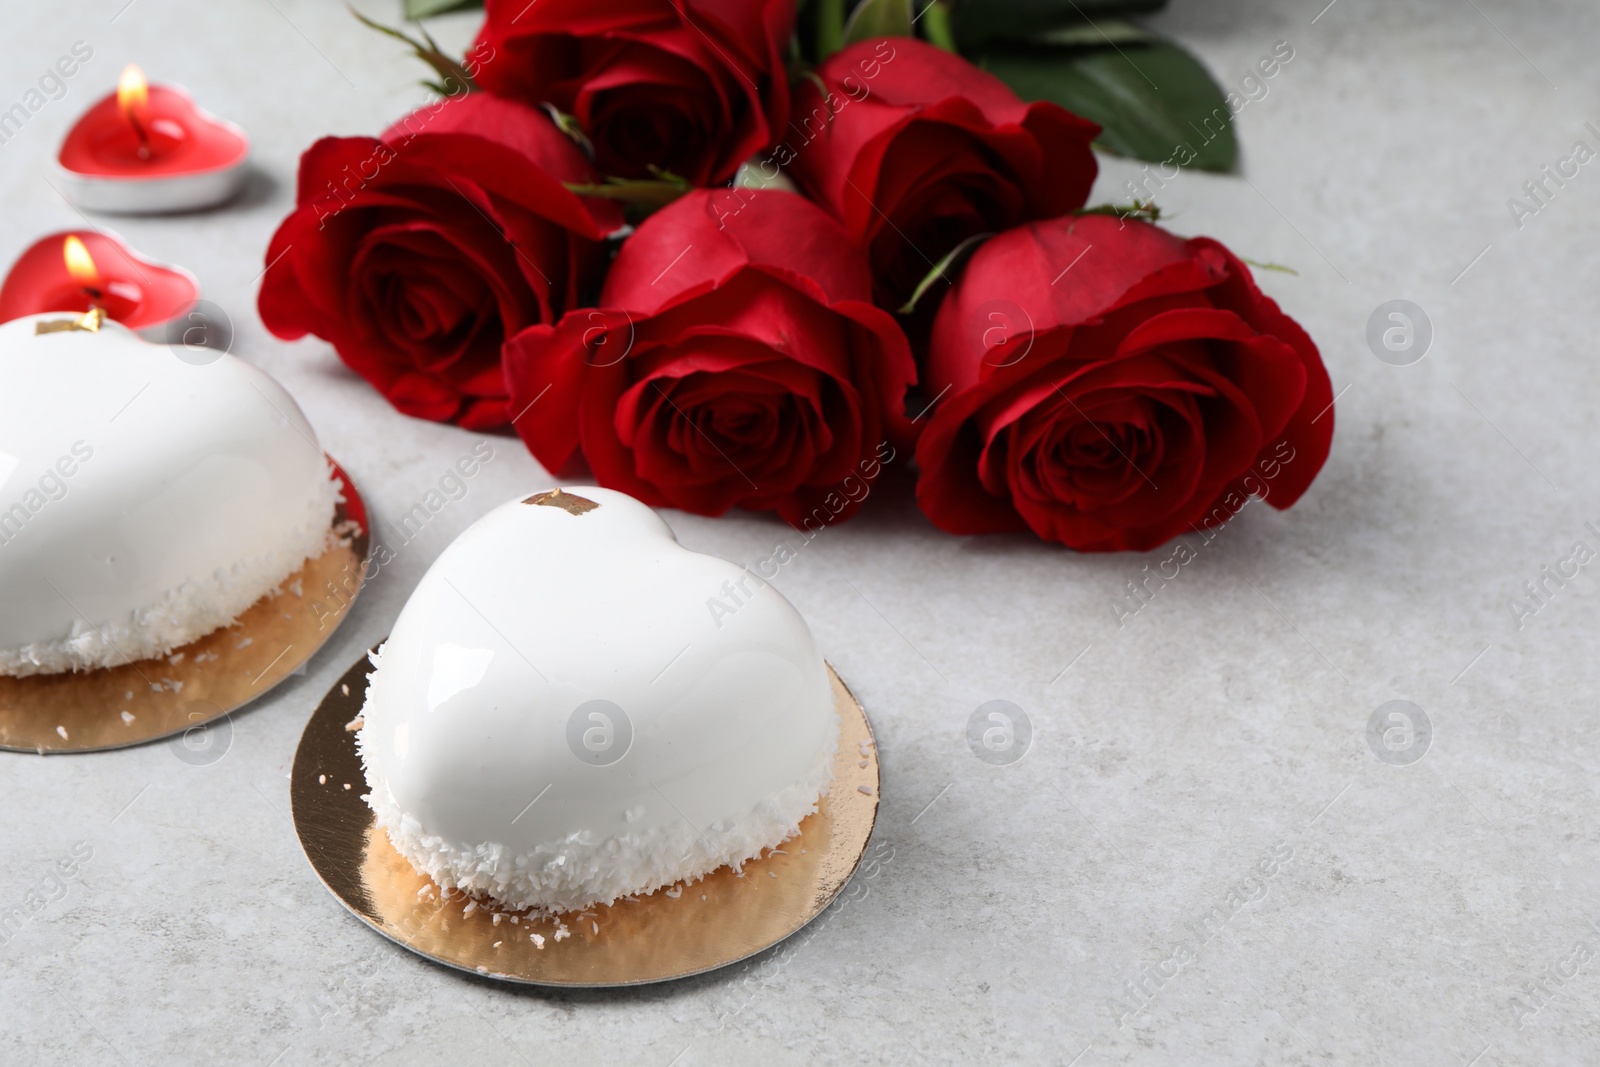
<point>198,607</point>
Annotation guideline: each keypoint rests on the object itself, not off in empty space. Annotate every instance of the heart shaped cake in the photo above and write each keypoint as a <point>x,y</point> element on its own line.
<point>572,708</point>
<point>145,501</point>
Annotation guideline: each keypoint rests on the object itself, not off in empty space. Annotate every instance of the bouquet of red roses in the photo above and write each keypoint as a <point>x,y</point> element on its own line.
<point>656,240</point>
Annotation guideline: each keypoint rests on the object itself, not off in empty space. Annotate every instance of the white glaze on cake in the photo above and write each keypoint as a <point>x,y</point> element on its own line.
<point>534,611</point>
<point>193,491</point>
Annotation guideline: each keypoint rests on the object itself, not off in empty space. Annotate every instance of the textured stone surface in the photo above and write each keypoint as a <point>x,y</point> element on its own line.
<point>1222,725</point>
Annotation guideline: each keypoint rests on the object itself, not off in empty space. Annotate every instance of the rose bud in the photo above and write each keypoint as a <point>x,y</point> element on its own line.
<point>693,87</point>
<point>1109,386</point>
<point>417,253</point>
<point>736,360</point>
<point>915,150</point>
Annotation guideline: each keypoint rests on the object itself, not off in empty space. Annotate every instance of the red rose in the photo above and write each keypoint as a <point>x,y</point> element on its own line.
<point>736,360</point>
<point>1111,386</point>
<point>418,253</point>
<point>694,87</point>
<point>915,150</point>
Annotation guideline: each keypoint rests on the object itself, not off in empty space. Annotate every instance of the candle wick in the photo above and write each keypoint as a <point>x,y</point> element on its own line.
<point>139,132</point>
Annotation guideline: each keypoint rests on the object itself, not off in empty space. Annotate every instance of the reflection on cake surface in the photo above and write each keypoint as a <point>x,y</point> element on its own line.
<point>572,708</point>
<point>145,500</point>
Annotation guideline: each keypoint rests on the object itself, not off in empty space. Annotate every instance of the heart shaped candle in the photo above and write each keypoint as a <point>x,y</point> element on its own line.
<point>573,707</point>
<point>149,148</point>
<point>80,269</point>
<point>144,500</point>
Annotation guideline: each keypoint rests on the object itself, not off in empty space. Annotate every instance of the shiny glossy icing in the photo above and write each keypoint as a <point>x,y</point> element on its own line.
<point>144,500</point>
<point>484,753</point>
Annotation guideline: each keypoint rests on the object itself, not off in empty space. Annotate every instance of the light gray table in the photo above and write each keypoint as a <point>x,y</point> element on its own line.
<point>1223,724</point>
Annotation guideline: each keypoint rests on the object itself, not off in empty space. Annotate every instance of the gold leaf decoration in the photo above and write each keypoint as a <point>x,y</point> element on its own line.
<point>571,503</point>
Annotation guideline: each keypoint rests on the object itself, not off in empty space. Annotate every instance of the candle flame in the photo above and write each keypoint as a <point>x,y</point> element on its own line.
<point>80,264</point>
<point>132,89</point>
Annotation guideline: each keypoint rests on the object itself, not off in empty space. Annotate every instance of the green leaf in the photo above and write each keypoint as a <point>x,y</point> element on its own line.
<point>1153,100</point>
<point>1145,210</point>
<point>1094,34</point>
<point>978,21</point>
<point>569,125</point>
<point>1271,266</point>
<point>878,18</point>
<point>453,77</point>
<point>942,269</point>
<point>638,191</point>
<point>830,28</point>
<point>421,9</point>
<point>935,19</point>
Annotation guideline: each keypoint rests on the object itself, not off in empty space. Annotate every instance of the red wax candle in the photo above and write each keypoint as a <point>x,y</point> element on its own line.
<point>80,269</point>
<point>149,148</point>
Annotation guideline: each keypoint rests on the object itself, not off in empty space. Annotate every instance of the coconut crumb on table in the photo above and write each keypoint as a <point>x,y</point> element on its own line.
<point>867,789</point>
<point>246,643</point>
<point>537,939</point>
<point>497,944</point>
<point>344,688</point>
<point>127,718</point>
<point>62,730</point>
<point>322,779</point>
<point>347,785</point>
<point>472,906</point>
<point>355,724</point>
